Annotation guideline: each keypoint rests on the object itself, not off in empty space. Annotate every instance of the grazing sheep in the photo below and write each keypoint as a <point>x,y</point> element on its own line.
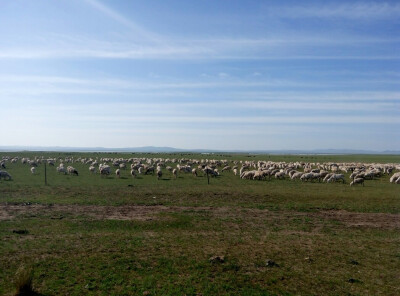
<point>133,174</point>
<point>175,173</point>
<point>395,177</point>
<point>61,169</point>
<point>357,181</point>
<point>235,171</point>
<point>248,175</point>
<point>323,174</point>
<point>72,171</point>
<point>226,168</point>
<point>259,175</point>
<point>149,170</point>
<point>296,175</point>
<point>5,175</point>
<point>105,170</point>
<point>33,170</point>
<point>184,168</point>
<point>212,172</point>
<point>242,170</point>
<point>316,176</point>
<point>33,163</point>
<point>194,172</point>
<point>280,175</point>
<point>92,169</point>
<point>335,178</point>
<point>353,175</point>
<point>118,173</point>
<point>159,174</point>
<point>327,177</point>
<point>306,177</point>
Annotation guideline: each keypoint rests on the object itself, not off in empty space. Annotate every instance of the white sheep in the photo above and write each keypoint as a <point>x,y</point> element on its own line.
<point>280,175</point>
<point>336,177</point>
<point>395,177</point>
<point>259,175</point>
<point>61,169</point>
<point>296,175</point>
<point>72,171</point>
<point>33,170</point>
<point>226,168</point>
<point>327,177</point>
<point>306,176</point>
<point>248,175</point>
<point>357,181</point>
<point>118,173</point>
<point>105,170</point>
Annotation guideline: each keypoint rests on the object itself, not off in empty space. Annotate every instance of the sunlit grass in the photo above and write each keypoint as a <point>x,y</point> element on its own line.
<point>89,235</point>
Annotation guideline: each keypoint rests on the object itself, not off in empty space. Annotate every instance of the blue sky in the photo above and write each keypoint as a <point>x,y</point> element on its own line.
<point>201,74</point>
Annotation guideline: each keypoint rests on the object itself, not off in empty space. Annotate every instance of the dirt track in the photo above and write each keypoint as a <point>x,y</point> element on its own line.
<point>143,213</point>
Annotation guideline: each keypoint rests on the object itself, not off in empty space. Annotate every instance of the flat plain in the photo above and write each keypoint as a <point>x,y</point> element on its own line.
<point>93,235</point>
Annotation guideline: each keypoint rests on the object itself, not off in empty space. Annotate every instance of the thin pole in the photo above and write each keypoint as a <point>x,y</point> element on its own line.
<point>45,173</point>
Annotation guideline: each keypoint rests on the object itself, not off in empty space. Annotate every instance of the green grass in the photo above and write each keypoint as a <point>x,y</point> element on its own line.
<point>327,239</point>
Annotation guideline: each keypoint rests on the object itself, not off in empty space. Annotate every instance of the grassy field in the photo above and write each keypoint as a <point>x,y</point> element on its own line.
<point>89,235</point>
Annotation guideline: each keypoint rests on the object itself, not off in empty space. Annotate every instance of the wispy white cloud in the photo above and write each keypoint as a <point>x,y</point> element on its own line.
<point>174,54</point>
<point>223,75</point>
<point>226,120</point>
<point>358,10</point>
<point>117,109</point>
<point>142,84</point>
<point>143,34</point>
<point>282,48</point>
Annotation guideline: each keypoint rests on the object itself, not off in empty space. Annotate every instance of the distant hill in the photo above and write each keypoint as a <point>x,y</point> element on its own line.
<point>154,149</point>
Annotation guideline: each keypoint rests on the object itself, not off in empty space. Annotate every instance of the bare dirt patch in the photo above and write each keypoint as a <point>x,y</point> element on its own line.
<point>375,220</point>
<point>129,212</point>
<point>143,213</point>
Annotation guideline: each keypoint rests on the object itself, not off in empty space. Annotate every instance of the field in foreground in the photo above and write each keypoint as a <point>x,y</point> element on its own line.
<point>91,236</point>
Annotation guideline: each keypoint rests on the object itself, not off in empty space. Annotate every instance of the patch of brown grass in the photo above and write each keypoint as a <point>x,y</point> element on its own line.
<point>23,281</point>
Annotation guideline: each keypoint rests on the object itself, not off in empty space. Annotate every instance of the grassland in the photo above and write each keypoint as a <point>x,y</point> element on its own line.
<point>89,235</point>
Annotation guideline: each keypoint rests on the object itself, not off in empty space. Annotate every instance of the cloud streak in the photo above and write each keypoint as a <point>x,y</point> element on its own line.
<point>358,10</point>
<point>143,34</point>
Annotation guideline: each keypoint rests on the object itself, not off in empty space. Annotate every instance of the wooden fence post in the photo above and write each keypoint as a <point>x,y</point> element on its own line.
<point>45,173</point>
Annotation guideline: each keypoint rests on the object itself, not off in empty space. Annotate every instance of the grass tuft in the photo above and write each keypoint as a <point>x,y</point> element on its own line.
<point>23,281</point>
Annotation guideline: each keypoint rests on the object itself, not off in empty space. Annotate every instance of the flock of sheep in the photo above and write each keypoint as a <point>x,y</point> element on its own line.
<point>251,170</point>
